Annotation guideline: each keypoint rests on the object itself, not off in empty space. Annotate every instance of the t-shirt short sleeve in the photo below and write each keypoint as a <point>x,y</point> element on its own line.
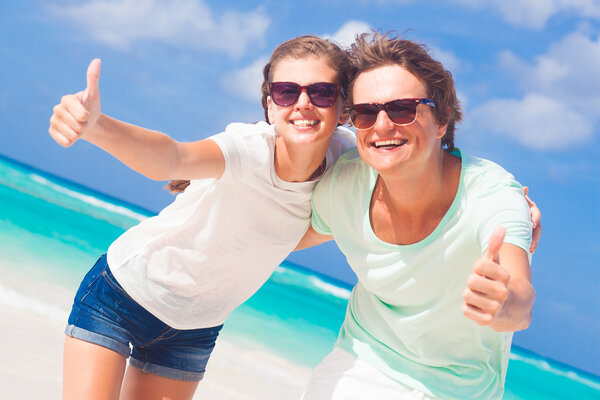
<point>320,219</point>
<point>506,206</point>
<point>232,143</point>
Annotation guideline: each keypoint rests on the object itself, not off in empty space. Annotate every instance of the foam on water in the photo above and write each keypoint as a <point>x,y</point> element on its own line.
<point>331,289</point>
<point>293,275</point>
<point>554,369</point>
<point>91,200</point>
<point>12,298</point>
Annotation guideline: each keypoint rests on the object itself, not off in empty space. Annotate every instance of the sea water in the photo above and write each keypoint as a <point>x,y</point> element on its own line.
<point>54,230</point>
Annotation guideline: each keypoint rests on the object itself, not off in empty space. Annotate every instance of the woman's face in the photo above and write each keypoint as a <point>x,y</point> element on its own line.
<point>390,148</point>
<point>303,122</point>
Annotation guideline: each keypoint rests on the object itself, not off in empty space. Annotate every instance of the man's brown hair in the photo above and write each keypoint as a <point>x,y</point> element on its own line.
<point>374,50</point>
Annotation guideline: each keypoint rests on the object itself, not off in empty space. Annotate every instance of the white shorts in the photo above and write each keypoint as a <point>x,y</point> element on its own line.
<point>342,376</point>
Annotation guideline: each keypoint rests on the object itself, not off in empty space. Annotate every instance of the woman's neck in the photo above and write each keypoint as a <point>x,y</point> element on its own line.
<point>299,163</point>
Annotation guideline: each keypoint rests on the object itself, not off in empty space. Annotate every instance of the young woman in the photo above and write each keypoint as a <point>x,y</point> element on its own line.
<point>439,241</point>
<point>166,286</point>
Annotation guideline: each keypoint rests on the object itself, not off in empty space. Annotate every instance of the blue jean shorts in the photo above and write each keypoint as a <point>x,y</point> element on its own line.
<point>104,314</point>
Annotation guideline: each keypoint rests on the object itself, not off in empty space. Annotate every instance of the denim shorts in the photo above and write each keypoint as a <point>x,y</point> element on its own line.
<point>104,314</point>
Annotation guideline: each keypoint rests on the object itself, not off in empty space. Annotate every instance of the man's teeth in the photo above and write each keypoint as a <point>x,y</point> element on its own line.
<point>389,143</point>
<point>304,122</point>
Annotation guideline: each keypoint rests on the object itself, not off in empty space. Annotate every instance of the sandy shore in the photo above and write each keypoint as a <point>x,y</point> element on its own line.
<point>32,339</point>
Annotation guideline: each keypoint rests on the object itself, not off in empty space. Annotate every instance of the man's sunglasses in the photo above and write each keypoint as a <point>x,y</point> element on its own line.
<point>401,112</point>
<point>321,94</point>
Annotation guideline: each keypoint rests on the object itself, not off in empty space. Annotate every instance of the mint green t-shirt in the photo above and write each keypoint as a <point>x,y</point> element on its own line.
<point>404,316</point>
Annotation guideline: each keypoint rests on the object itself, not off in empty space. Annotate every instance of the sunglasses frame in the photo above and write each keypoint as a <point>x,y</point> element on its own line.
<point>386,106</point>
<point>338,87</point>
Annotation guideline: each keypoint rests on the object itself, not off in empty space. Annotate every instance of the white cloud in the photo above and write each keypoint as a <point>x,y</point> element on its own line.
<point>561,101</point>
<point>246,82</point>
<point>526,13</point>
<point>185,23</point>
<point>533,14</point>
<point>569,70</point>
<point>345,36</point>
<point>536,121</point>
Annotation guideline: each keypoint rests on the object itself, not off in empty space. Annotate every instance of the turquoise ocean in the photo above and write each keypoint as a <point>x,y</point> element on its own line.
<point>53,230</point>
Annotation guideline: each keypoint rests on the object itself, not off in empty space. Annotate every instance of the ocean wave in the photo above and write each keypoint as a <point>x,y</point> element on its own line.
<point>545,365</point>
<point>10,297</point>
<point>91,200</point>
<point>332,289</point>
<point>307,279</point>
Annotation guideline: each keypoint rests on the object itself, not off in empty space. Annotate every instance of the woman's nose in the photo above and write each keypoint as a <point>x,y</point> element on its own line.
<point>303,100</point>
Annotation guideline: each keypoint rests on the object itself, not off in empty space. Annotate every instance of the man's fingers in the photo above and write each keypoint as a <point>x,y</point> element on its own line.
<point>477,315</point>
<point>491,288</point>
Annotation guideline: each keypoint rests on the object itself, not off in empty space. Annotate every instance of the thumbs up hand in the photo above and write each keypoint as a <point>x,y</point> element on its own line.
<point>487,287</point>
<point>77,114</point>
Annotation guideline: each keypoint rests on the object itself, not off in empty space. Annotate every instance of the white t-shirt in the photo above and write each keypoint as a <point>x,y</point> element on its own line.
<point>404,315</point>
<point>220,240</point>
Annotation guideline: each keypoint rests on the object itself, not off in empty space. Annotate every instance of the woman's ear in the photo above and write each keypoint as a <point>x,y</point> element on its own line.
<point>344,115</point>
<point>270,111</point>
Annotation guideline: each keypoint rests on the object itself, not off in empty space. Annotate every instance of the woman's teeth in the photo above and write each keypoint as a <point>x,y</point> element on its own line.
<point>304,122</point>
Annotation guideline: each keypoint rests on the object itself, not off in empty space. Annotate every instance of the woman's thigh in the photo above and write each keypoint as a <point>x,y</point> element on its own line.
<point>142,385</point>
<point>91,371</point>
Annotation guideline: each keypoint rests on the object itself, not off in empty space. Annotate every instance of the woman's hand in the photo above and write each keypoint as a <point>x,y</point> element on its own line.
<point>536,217</point>
<point>77,114</point>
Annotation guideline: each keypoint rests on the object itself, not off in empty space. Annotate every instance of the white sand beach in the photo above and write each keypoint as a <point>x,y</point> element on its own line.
<point>32,339</point>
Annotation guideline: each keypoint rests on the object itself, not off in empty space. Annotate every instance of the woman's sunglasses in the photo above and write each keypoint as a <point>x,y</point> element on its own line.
<point>401,112</point>
<point>321,94</point>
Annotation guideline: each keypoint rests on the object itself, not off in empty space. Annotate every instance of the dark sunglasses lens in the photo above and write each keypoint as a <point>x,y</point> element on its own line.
<point>363,116</point>
<point>322,94</point>
<point>285,94</point>
<point>402,112</point>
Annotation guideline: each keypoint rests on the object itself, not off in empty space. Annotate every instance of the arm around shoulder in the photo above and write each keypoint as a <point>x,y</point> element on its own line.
<point>312,238</point>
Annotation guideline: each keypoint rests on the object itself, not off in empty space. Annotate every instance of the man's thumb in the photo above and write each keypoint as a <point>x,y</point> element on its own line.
<point>492,252</point>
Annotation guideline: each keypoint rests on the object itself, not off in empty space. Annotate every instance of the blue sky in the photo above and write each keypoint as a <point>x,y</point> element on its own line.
<point>527,73</point>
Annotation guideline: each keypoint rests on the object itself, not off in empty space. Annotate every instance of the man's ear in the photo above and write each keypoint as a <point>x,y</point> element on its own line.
<point>441,131</point>
<point>270,111</point>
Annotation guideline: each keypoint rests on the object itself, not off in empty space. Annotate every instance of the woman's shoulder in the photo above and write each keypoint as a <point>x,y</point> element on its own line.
<point>246,129</point>
<point>345,136</point>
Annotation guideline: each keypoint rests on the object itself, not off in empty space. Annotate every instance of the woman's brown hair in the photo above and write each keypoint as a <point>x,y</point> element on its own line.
<point>375,50</point>
<point>300,47</point>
